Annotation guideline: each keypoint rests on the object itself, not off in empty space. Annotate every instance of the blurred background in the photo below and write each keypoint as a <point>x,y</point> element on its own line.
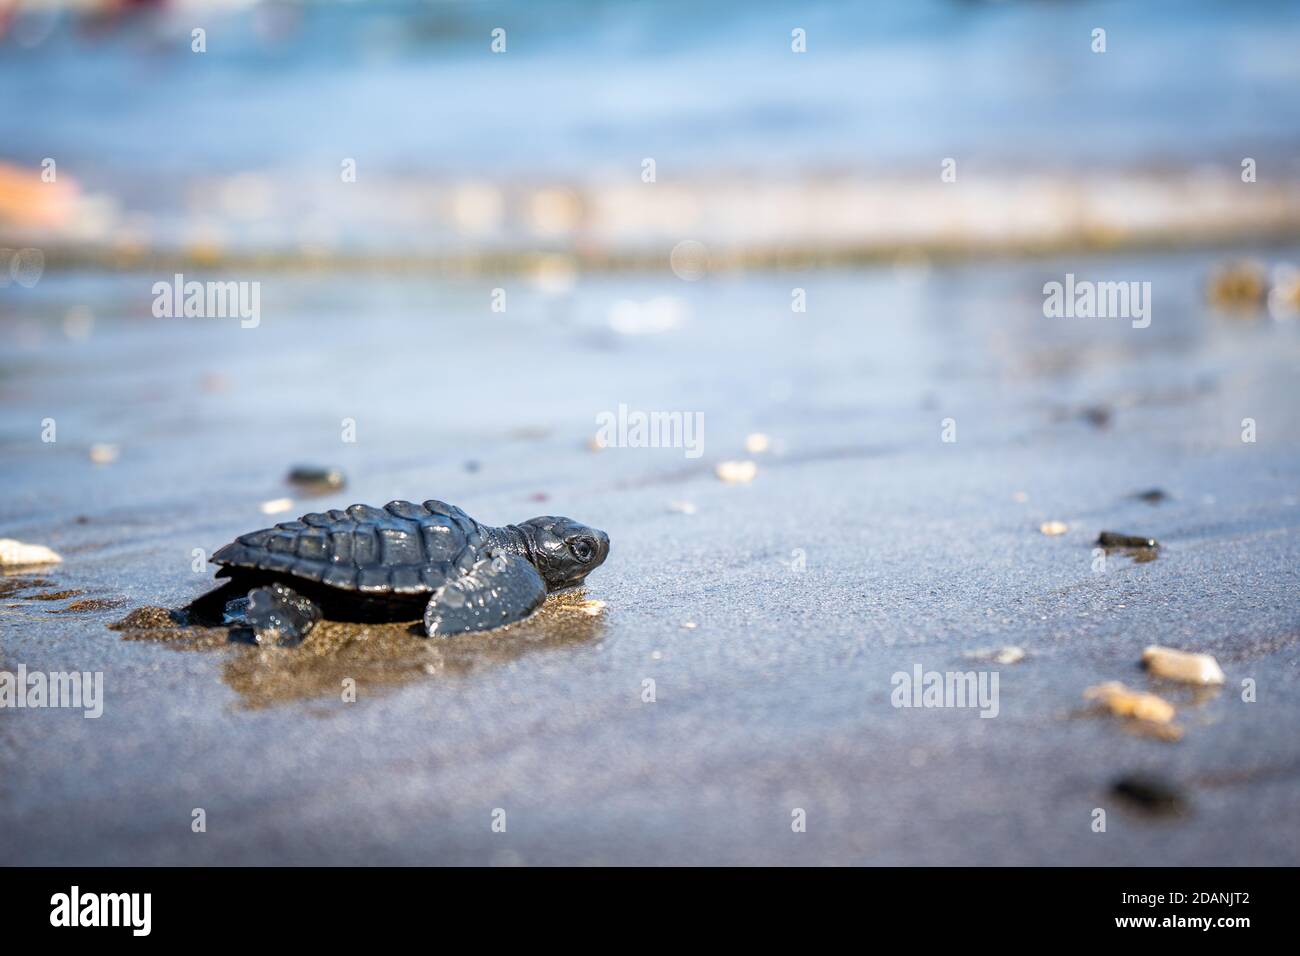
<point>761,153</point>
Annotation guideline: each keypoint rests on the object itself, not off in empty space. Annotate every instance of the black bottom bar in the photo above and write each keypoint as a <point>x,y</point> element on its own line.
<point>331,906</point>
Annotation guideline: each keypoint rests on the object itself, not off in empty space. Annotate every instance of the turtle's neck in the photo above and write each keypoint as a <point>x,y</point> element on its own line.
<point>511,538</point>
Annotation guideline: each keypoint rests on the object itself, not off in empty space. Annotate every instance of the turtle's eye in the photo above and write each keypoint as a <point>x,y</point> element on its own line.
<point>581,549</point>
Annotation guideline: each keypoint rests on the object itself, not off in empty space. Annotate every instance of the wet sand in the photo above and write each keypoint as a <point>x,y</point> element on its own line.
<point>864,546</point>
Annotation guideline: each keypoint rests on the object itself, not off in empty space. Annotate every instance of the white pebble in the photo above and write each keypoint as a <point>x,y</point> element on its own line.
<point>736,472</point>
<point>16,554</point>
<point>103,454</point>
<point>1182,666</point>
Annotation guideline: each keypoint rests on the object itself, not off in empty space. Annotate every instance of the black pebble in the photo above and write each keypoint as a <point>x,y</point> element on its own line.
<point>316,480</point>
<point>1098,416</point>
<point>1113,539</point>
<point>1151,794</point>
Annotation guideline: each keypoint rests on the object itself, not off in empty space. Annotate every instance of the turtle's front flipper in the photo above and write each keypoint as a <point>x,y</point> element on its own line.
<point>495,591</point>
<point>280,616</point>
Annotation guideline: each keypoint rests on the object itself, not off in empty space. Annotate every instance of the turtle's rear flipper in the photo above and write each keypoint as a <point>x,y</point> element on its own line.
<point>209,609</point>
<point>497,590</point>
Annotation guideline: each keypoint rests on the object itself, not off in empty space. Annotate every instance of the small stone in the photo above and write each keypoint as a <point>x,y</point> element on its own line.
<point>1152,496</point>
<point>1190,668</point>
<point>1098,416</point>
<point>279,616</point>
<point>1284,296</point>
<point>214,382</point>
<point>998,655</point>
<point>1238,284</point>
<point>1053,528</point>
<point>104,454</point>
<point>275,506</point>
<point>316,480</point>
<point>757,443</point>
<point>736,472</point>
<point>1114,539</point>
<point>16,554</point>
<point>1150,793</point>
<point>1123,702</point>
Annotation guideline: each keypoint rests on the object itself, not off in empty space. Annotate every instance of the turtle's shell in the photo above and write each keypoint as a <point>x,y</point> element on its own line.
<point>402,548</point>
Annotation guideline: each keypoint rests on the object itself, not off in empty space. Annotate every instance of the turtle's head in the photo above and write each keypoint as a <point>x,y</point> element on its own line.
<point>563,550</point>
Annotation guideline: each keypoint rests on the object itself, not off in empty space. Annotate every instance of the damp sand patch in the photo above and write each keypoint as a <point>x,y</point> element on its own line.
<point>375,657</point>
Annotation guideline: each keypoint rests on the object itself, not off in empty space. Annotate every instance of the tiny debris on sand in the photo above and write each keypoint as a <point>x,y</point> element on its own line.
<point>16,554</point>
<point>90,604</point>
<point>1284,296</point>
<point>998,655</point>
<point>104,454</point>
<point>1238,284</point>
<point>275,506</point>
<point>55,595</point>
<point>1150,794</point>
<point>757,443</point>
<point>147,618</point>
<point>12,585</point>
<point>1185,666</point>
<point>1053,527</point>
<point>1124,702</point>
<point>736,472</point>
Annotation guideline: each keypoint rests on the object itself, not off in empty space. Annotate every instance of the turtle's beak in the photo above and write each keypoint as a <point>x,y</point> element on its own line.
<point>602,547</point>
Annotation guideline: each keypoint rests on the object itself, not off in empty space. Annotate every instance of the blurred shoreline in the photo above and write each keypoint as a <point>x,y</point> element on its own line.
<point>478,228</point>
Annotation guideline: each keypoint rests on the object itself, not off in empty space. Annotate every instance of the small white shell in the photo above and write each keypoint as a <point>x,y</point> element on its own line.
<point>1123,702</point>
<point>1184,666</point>
<point>15,554</point>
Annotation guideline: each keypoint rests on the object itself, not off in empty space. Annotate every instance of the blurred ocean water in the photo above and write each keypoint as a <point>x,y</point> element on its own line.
<point>544,145</point>
<point>586,87</point>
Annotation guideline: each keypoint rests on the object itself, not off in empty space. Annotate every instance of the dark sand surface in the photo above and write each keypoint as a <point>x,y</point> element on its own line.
<point>916,551</point>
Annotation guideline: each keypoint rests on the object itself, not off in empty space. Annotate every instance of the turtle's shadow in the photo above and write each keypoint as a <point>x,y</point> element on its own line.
<point>341,660</point>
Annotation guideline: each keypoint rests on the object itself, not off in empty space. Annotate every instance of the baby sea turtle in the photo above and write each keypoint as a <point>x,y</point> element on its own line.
<point>402,561</point>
